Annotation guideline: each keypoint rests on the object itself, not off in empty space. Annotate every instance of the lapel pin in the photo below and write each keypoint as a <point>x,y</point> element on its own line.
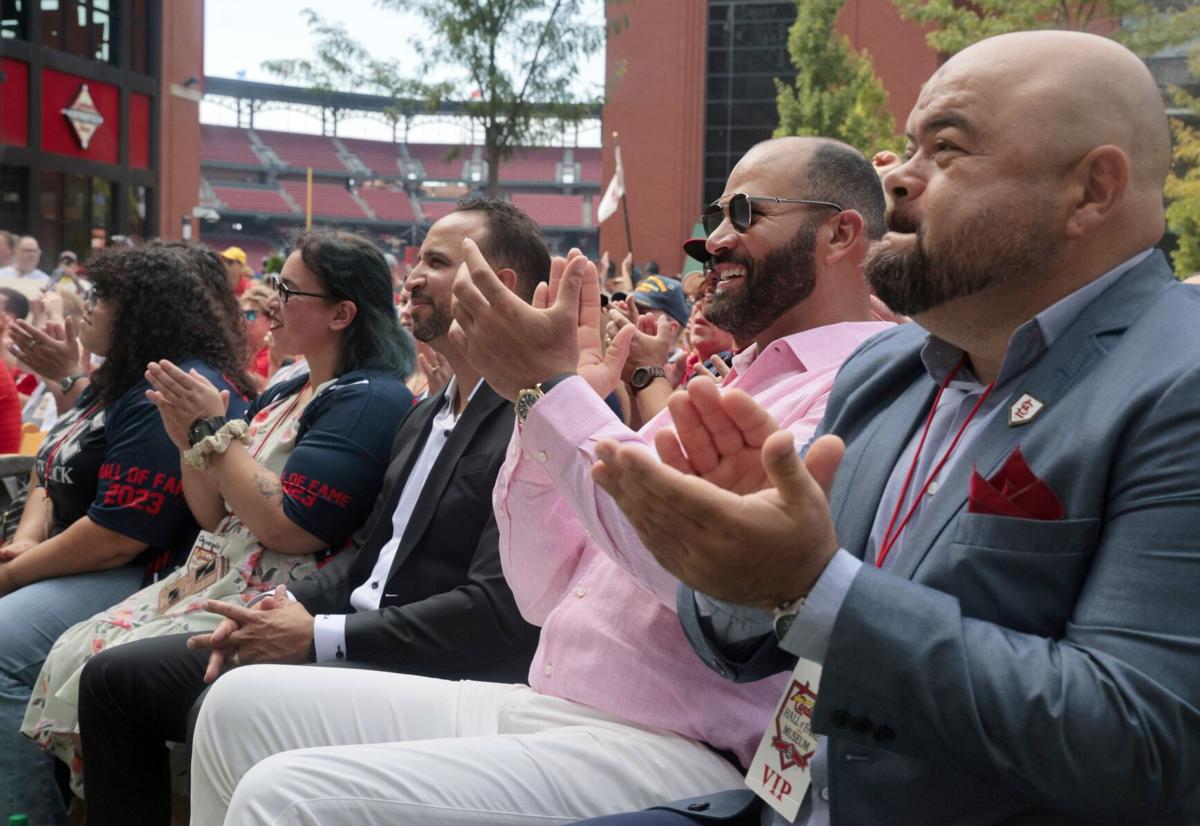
<point>1024,410</point>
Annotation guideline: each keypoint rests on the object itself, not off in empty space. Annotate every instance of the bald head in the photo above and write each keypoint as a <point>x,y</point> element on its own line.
<point>1075,91</point>
<point>820,169</point>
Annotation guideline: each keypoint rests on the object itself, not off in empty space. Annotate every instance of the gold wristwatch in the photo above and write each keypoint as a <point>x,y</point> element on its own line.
<point>528,397</point>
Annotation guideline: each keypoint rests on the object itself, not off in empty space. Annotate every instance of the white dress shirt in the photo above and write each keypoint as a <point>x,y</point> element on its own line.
<point>329,630</point>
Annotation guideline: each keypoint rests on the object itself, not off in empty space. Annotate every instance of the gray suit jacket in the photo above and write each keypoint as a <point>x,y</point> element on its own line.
<point>1013,670</point>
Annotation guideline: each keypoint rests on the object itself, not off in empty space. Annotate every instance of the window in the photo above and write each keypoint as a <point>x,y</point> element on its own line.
<point>12,20</point>
<point>14,194</point>
<point>81,27</point>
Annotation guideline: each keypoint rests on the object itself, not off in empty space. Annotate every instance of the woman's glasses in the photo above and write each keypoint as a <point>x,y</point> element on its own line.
<point>740,210</point>
<point>286,292</point>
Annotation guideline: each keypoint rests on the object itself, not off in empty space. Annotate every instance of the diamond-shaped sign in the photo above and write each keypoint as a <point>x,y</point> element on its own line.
<point>83,116</point>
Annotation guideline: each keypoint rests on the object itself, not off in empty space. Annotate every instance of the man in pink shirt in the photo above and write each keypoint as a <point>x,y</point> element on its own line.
<point>619,712</point>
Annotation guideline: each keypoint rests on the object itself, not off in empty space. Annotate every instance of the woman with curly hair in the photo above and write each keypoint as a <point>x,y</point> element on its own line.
<point>106,510</point>
<point>276,492</point>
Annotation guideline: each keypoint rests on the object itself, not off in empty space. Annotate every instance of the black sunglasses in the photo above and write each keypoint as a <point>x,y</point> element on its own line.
<point>286,292</point>
<point>740,210</point>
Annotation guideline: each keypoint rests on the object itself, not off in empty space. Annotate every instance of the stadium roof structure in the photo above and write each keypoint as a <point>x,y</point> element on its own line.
<point>256,92</point>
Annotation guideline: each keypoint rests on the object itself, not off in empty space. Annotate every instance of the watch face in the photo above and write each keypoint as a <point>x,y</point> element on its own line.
<point>525,400</point>
<point>640,378</point>
<point>202,429</point>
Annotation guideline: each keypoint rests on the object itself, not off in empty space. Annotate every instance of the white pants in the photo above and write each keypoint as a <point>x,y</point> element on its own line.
<point>279,744</point>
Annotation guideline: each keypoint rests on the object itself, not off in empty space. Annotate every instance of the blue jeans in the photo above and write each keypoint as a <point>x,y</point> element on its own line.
<point>31,619</point>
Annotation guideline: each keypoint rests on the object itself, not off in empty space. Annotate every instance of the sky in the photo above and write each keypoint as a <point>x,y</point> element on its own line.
<point>240,34</point>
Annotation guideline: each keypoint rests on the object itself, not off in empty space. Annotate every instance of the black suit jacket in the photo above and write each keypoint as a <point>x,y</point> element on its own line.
<point>446,610</point>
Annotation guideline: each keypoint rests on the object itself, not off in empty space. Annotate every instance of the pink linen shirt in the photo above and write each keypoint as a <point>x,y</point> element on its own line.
<point>610,636</point>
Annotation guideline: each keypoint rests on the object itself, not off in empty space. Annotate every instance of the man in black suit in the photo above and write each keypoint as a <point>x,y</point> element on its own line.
<point>421,591</point>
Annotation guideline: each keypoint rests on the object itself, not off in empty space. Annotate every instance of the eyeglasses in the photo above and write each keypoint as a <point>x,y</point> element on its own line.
<point>740,210</point>
<point>251,315</point>
<point>286,292</point>
<point>89,300</point>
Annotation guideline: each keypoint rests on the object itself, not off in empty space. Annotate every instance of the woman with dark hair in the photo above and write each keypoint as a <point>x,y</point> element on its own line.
<point>275,493</point>
<point>105,511</point>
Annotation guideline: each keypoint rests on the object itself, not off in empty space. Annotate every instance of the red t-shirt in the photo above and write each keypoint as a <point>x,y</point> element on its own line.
<point>10,413</point>
<point>261,363</point>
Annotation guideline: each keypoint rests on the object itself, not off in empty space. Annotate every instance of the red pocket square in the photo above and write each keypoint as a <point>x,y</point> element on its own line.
<point>1013,491</point>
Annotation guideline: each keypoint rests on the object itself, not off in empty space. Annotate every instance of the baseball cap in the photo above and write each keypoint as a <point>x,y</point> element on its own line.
<point>656,292</point>
<point>235,254</point>
<point>695,249</point>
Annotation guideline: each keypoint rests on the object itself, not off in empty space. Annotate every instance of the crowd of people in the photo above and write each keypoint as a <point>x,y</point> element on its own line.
<point>511,537</point>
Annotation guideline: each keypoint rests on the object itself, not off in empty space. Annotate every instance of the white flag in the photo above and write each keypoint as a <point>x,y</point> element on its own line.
<point>614,193</point>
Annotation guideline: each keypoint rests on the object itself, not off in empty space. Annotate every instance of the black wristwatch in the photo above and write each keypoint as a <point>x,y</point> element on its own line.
<point>66,384</point>
<point>642,376</point>
<point>204,427</point>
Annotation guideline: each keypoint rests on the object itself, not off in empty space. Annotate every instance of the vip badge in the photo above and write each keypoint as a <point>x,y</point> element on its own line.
<point>781,770</point>
<point>83,116</point>
<point>1024,410</point>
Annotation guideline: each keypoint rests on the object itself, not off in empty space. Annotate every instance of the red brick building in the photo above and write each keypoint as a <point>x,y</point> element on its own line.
<point>691,88</point>
<point>99,119</point>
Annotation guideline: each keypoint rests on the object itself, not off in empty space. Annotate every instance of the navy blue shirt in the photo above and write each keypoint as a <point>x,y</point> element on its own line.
<point>117,466</point>
<point>342,450</point>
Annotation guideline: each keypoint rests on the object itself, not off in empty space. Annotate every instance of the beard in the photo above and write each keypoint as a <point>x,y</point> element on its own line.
<point>985,249</point>
<point>433,326</point>
<point>781,280</point>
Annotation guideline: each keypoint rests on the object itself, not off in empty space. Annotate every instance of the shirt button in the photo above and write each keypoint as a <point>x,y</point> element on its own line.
<point>542,456</point>
<point>581,592</point>
<point>825,793</point>
<point>933,487</point>
<point>548,670</point>
<point>375,584</point>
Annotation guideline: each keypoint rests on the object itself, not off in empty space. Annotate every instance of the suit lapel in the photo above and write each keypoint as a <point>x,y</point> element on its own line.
<point>410,439</point>
<point>864,474</point>
<point>1050,379</point>
<point>481,406</point>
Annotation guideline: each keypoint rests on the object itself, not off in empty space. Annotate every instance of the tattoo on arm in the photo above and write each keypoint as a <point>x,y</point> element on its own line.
<point>268,486</point>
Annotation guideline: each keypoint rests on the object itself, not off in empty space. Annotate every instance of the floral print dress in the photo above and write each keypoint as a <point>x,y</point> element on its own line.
<point>227,564</point>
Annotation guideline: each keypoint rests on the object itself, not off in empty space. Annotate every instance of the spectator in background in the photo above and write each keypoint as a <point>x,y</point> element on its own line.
<point>237,270</point>
<point>66,274</point>
<point>10,413</point>
<point>397,271</point>
<point>8,243</point>
<point>105,510</point>
<point>256,321</point>
<point>26,258</point>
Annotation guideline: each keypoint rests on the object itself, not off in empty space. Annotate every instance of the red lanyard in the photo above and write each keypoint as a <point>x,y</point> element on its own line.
<point>889,538</point>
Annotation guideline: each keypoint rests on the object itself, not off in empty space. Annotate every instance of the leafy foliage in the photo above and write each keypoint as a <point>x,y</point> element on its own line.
<point>836,93</point>
<point>513,63</point>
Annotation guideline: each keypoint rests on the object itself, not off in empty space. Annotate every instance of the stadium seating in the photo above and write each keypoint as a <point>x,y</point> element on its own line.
<point>302,151</point>
<point>226,144</point>
<point>243,199</point>
<point>389,204</point>
<point>330,200</point>
<point>433,157</point>
<point>591,163</point>
<point>379,156</point>
<point>533,164</point>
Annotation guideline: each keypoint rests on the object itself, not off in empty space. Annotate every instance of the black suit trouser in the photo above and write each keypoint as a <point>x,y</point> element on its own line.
<point>133,698</point>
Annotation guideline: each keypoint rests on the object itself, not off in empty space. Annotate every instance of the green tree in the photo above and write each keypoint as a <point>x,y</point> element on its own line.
<point>836,92</point>
<point>511,63</point>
